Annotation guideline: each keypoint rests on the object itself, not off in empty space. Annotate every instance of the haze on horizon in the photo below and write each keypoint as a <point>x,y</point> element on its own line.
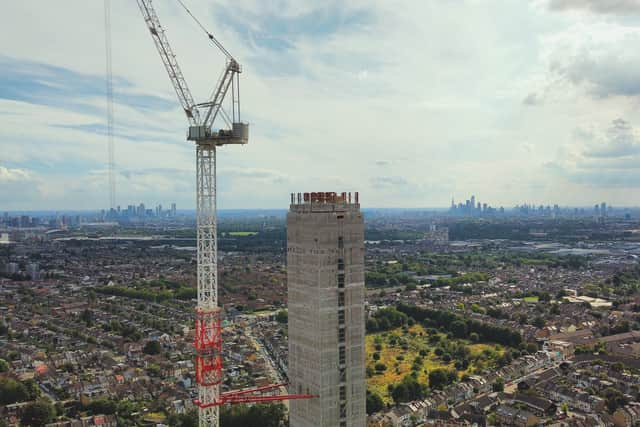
<point>518,101</point>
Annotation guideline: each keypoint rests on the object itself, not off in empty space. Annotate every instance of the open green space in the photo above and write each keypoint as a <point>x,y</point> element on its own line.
<point>394,354</point>
<point>242,233</point>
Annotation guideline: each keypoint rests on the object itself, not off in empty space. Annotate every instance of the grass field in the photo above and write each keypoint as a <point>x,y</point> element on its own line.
<point>399,357</point>
<point>531,299</point>
<point>242,233</point>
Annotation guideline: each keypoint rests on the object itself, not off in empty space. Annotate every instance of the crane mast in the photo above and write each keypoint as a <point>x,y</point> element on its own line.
<point>201,118</point>
<point>208,326</point>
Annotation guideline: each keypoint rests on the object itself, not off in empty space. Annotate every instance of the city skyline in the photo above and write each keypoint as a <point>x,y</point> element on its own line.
<point>536,103</point>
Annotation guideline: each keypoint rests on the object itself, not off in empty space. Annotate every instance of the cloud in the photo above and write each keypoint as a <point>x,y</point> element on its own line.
<point>597,6</point>
<point>531,99</point>
<point>18,187</point>
<point>388,181</point>
<point>620,141</point>
<point>330,88</point>
<point>277,32</point>
<point>608,159</point>
<point>40,83</point>
<point>600,58</point>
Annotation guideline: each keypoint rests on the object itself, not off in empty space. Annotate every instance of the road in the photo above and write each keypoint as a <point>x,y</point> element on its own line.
<point>274,374</point>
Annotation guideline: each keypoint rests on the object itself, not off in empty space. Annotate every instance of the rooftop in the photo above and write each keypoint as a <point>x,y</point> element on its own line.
<point>324,201</point>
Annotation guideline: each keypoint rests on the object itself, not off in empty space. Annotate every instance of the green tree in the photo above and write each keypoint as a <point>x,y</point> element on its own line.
<point>102,406</point>
<point>440,378</point>
<point>374,402</point>
<point>498,385</point>
<point>190,419</point>
<point>282,316</point>
<point>380,367</point>
<point>459,329</point>
<point>38,414</point>
<point>87,317</point>
<point>152,347</point>
<point>4,366</point>
<point>409,389</point>
<point>258,415</point>
<point>32,389</point>
<point>12,391</point>
<point>538,322</point>
<point>613,399</point>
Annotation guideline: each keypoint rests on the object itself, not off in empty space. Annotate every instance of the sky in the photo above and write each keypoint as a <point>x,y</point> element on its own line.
<point>410,103</point>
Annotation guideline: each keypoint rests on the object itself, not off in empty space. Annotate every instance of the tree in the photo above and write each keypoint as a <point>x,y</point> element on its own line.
<point>152,347</point>
<point>190,419</point>
<point>621,327</point>
<point>33,391</point>
<point>4,366</point>
<point>38,414</point>
<point>498,385</point>
<point>380,367</point>
<point>532,347</point>
<point>459,329</point>
<point>538,322</point>
<point>258,415</point>
<point>11,391</point>
<point>409,389</point>
<point>613,399</point>
<point>102,406</point>
<point>87,317</point>
<point>374,402</point>
<point>440,378</point>
<point>282,316</point>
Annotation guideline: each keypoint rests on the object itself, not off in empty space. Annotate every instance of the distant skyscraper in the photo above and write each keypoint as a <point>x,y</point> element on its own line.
<point>33,270</point>
<point>173,209</point>
<point>325,272</point>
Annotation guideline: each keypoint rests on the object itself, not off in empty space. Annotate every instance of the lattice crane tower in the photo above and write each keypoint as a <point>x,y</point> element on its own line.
<point>201,117</point>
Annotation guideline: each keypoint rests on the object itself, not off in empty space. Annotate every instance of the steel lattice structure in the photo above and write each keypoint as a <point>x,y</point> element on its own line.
<point>201,117</point>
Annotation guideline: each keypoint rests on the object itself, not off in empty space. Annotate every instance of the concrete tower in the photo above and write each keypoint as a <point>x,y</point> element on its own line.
<point>325,256</point>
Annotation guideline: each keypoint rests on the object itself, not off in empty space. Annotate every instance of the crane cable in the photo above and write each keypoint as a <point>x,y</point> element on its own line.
<point>109,89</point>
<point>211,36</point>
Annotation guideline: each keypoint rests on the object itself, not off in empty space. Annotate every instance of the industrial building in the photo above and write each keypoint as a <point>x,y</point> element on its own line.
<point>325,257</point>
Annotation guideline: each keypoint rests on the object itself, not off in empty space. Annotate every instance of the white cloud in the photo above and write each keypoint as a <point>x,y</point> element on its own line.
<point>597,6</point>
<point>17,188</point>
<point>435,89</point>
<point>607,159</point>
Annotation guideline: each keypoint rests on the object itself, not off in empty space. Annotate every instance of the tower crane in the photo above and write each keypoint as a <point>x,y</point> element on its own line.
<point>201,118</point>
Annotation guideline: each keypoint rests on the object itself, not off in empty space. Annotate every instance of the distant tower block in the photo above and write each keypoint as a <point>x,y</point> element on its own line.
<point>325,259</point>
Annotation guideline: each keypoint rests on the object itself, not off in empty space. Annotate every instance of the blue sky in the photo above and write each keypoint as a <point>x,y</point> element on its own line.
<point>409,103</point>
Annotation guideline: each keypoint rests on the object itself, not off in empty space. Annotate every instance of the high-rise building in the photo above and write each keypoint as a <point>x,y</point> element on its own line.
<point>33,270</point>
<point>325,272</point>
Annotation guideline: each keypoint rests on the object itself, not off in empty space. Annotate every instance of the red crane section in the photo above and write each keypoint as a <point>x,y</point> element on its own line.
<point>254,396</point>
<point>208,344</point>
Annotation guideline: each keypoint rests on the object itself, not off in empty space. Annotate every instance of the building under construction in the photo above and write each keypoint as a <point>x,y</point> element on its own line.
<point>325,256</point>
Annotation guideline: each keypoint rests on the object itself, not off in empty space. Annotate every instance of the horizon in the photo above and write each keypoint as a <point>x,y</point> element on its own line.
<point>286,209</point>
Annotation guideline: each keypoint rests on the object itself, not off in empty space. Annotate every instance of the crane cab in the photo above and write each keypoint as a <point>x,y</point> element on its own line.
<point>239,134</point>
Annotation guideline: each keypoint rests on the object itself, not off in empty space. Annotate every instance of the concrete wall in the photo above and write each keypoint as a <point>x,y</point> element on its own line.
<point>313,257</point>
